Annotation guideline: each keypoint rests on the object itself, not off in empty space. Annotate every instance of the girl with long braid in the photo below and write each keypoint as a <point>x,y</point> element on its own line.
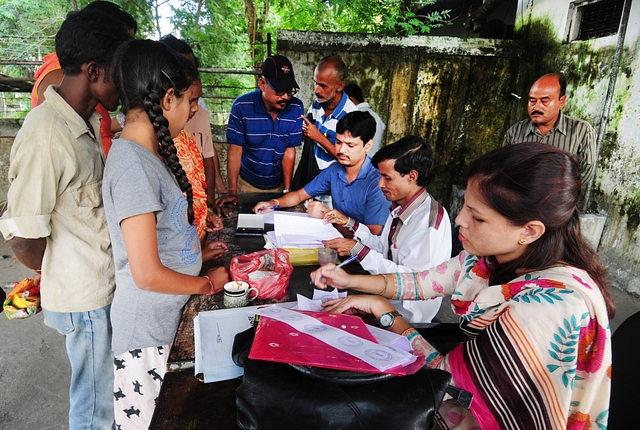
<point>149,207</point>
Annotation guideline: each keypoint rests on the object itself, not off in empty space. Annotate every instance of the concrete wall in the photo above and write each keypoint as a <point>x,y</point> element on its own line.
<point>454,92</point>
<point>542,25</point>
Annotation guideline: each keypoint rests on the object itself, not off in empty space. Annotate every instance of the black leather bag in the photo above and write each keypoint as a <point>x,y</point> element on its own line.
<point>281,396</point>
<point>308,166</point>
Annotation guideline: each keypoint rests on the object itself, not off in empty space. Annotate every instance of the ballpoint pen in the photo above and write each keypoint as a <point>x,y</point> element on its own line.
<point>344,263</point>
<point>268,207</point>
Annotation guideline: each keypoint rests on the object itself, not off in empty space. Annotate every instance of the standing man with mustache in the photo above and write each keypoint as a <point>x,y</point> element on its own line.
<point>547,124</point>
<point>265,126</point>
<point>330,105</point>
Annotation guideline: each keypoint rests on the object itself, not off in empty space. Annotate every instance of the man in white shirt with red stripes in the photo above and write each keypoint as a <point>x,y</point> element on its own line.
<point>417,233</point>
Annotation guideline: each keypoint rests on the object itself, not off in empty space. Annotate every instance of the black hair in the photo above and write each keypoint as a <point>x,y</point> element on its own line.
<point>354,90</point>
<point>410,153</point>
<point>88,36</point>
<point>144,70</point>
<point>180,46</point>
<point>535,181</point>
<point>563,83</point>
<point>359,124</point>
<point>115,11</point>
<point>336,63</point>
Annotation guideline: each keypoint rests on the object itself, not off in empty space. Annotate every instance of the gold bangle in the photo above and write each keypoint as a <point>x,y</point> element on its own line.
<point>275,200</point>
<point>385,285</point>
<point>37,270</point>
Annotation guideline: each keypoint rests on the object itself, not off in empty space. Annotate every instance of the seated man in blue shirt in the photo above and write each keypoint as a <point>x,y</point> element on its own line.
<point>352,182</point>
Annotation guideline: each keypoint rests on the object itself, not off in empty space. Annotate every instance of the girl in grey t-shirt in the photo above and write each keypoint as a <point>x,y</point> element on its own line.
<point>155,244</point>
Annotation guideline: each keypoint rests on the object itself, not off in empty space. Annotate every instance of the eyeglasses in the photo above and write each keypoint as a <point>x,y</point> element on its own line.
<point>280,93</point>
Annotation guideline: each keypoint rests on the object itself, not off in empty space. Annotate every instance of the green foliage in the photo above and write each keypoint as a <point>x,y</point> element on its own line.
<point>358,16</point>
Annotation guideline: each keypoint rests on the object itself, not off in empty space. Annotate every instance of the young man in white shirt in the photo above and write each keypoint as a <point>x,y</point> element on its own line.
<point>417,233</point>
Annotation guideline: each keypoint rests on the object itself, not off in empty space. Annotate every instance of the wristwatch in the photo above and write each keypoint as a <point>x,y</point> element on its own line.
<point>386,320</point>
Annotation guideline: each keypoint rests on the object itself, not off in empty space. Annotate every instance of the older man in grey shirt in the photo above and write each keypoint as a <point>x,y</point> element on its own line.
<point>547,124</point>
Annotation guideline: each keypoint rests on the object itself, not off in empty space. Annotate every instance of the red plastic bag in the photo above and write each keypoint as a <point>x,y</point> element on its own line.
<point>300,348</point>
<point>269,271</point>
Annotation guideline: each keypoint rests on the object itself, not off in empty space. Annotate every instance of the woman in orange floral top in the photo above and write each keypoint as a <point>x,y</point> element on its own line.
<point>529,289</point>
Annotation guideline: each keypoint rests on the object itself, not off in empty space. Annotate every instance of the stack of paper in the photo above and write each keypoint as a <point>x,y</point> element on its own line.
<point>300,231</point>
<point>250,225</point>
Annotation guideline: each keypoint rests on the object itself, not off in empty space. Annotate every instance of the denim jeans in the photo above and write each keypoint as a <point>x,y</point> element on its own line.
<point>88,342</point>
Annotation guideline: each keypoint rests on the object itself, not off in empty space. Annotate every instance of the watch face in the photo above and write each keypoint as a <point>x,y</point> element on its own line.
<point>386,320</point>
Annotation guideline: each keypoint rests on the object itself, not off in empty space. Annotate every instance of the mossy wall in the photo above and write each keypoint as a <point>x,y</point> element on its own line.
<point>456,93</point>
<point>587,66</point>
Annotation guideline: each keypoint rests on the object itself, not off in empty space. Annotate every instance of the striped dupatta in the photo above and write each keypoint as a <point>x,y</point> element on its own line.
<point>539,351</point>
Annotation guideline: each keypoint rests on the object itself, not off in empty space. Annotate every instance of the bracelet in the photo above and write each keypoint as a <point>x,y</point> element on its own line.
<point>212,290</point>
<point>385,284</point>
<point>37,270</point>
<point>286,190</point>
<point>209,211</point>
<point>234,189</point>
<point>275,200</point>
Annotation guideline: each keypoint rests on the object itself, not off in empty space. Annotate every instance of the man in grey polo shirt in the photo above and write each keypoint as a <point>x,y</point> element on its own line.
<point>547,124</point>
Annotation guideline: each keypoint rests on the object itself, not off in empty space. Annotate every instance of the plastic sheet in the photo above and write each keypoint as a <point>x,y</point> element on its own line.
<point>300,348</point>
<point>23,301</point>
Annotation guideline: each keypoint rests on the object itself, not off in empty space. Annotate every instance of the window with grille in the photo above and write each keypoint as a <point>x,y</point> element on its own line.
<point>592,19</point>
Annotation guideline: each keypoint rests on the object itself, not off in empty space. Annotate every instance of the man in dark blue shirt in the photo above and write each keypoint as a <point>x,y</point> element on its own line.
<point>265,126</point>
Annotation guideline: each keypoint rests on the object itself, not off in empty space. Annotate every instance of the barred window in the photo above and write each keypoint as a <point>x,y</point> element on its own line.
<point>593,18</point>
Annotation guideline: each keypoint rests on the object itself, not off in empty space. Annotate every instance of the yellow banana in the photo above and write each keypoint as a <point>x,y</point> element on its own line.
<point>19,302</point>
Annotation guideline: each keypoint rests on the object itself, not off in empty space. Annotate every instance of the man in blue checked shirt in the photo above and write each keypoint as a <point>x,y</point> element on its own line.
<point>265,126</point>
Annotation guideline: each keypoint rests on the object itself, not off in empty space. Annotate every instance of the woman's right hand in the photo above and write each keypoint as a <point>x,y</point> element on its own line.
<point>219,276</point>
<point>326,277</point>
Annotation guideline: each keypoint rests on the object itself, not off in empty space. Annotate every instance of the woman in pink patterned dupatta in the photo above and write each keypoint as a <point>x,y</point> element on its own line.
<point>530,291</point>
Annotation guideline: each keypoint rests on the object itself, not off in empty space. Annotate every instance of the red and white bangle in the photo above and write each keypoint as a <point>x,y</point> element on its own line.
<point>212,290</point>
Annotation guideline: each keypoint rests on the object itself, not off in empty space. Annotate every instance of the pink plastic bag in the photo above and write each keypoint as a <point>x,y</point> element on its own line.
<point>300,348</point>
<point>269,271</point>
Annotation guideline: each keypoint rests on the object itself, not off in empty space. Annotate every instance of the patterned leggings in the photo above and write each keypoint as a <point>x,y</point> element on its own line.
<point>138,377</point>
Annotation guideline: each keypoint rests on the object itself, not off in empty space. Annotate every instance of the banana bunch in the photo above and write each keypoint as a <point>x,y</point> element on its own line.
<point>23,300</point>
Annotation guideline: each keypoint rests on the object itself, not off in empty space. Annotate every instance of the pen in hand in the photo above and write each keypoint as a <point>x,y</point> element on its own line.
<point>268,207</point>
<point>344,263</point>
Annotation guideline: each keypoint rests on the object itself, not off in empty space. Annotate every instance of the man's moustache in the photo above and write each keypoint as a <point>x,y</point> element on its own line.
<point>537,112</point>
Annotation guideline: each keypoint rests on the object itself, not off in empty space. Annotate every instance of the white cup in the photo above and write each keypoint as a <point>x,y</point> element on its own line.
<point>238,294</point>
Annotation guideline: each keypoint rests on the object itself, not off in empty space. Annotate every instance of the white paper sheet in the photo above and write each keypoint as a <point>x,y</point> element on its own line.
<point>251,221</point>
<point>302,232</point>
<point>214,332</point>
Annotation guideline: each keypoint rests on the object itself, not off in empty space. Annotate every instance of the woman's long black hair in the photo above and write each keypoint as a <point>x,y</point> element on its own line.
<point>144,70</point>
<point>536,181</point>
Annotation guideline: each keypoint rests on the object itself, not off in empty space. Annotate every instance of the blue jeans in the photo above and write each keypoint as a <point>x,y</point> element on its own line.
<point>88,342</point>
